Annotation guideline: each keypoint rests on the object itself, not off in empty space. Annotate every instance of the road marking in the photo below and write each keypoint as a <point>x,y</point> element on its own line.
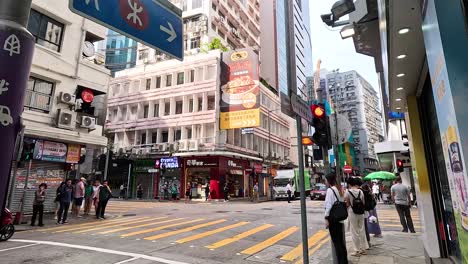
<point>312,251</point>
<point>127,260</point>
<point>398,225</point>
<point>138,226</point>
<point>209,233</point>
<point>297,251</point>
<point>6,249</point>
<point>160,228</point>
<point>101,224</point>
<point>191,228</point>
<point>238,237</point>
<point>84,224</point>
<point>102,250</point>
<point>269,242</point>
<point>114,225</point>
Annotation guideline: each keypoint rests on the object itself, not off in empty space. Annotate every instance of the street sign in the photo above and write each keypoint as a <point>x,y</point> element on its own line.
<point>155,23</point>
<point>347,169</point>
<point>247,130</point>
<point>301,108</point>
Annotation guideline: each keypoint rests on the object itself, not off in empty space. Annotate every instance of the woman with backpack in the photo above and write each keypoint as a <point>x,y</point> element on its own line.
<point>354,199</point>
<point>335,214</point>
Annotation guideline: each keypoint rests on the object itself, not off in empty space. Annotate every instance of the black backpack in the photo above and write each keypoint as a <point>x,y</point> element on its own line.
<point>358,205</point>
<point>338,212</point>
<point>370,201</point>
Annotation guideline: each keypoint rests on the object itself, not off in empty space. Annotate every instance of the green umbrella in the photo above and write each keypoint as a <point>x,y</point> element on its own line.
<point>380,175</point>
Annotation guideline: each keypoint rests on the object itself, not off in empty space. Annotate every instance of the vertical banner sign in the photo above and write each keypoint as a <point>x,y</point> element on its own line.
<point>16,50</point>
<point>73,153</point>
<point>240,90</point>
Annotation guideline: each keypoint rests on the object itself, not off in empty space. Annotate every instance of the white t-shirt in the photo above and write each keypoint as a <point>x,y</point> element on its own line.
<point>375,189</point>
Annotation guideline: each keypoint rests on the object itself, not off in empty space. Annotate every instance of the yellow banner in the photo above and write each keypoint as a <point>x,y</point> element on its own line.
<point>240,119</point>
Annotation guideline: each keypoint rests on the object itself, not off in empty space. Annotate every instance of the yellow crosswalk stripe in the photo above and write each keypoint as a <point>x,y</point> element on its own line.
<point>297,251</point>
<point>115,225</point>
<point>312,251</point>
<point>138,226</point>
<point>74,228</point>
<point>269,242</point>
<point>191,228</point>
<point>238,237</point>
<point>160,228</point>
<point>91,223</point>
<point>209,233</point>
<point>398,225</point>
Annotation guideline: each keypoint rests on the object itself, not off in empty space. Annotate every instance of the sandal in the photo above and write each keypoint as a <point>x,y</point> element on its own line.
<point>356,254</point>
<point>363,252</point>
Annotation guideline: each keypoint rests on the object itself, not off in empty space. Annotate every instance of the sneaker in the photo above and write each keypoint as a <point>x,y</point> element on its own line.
<point>356,254</point>
<point>412,231</point>
<point>32,224</point>
<point>64,222</point>
<point>41,225</point>
<point>58,223</point>
<point>363,252</point>
<point>404,231</point>
<point>55,217</point>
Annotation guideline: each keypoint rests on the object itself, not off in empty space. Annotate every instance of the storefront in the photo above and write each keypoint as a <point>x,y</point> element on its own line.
<point>51,163</point>
<point>170,174</point>
<point>143,173</point>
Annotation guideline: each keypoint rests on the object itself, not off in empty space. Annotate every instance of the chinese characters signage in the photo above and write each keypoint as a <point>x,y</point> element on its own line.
<point>50,151</point>
<point>73,154</point>
<point>240,90</point>
<point>201,162</point>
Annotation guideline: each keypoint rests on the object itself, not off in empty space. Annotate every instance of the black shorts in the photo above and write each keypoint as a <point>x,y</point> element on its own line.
<point>78,201</point>
<point>187,194</point>
<point>174,196</point>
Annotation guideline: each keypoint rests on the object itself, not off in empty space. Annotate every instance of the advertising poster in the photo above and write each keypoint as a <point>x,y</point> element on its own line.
<point>240,90</point>
<point>50,151</point>
<point>450,93</point>
<point>73,153</point>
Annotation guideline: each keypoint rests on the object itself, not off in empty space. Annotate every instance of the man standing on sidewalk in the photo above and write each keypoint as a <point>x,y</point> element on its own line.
<point>289,191</point>
<point>66,194</point>
<point>79,196</point>
<point>401,197</point>
<point>103,197</point>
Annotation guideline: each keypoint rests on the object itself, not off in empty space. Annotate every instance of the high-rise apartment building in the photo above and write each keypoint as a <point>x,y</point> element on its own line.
<point>352,96</point>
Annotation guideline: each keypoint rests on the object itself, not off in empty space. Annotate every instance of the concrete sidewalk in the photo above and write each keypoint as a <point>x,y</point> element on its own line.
<point>393,247</point>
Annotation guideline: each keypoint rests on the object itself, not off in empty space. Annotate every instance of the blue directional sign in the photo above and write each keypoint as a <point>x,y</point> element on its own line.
<point>155,23</point>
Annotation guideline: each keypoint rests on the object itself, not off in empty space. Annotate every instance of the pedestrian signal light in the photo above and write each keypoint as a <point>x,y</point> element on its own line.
<point>318,111</point>
<point>307,141</point>
<point>399,164</point>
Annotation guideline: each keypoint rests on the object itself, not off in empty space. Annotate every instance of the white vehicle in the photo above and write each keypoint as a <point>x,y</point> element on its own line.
<point>5,116</point>
<point>281,181</point>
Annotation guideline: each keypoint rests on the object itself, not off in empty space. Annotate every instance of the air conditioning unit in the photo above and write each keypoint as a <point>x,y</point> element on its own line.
<point>146,150</point>
<point>67,98</point>
<point>164,147</point>
<point>88,122</point>
<point>66,119</point>
<point>183,145</point>
<point>193,145</point>
<point>173,147</point>
<point>136,151</point>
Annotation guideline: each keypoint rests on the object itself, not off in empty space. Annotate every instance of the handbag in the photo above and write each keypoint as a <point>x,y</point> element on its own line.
<point>338,212</point>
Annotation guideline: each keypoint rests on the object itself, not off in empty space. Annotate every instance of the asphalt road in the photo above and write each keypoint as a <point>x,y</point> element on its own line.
<point>178,233</point>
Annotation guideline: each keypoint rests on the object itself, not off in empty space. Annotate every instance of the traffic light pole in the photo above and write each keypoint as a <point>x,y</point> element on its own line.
<point>16,52</point>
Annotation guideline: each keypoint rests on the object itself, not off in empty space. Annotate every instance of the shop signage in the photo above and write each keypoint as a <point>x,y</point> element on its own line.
<point>258,168</point>
<point>233,164</point>
<point>169,163</point>
<point>50,151</point>
<point>247,130</point>
<point>73,153</point>
<point>240,90</point>
<point>201,163</point>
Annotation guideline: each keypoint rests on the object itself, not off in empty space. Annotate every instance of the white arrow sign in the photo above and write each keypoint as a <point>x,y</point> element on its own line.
<point>170,31</point>
<point>249,123</point>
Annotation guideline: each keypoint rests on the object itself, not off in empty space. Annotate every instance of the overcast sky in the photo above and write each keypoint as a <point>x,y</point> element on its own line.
<point>332,50</point>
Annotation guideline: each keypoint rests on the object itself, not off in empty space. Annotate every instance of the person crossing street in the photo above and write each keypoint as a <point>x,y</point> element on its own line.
<point>402,200</point>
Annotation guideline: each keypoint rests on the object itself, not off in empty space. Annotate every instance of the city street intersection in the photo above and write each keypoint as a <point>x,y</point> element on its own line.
<point>176,233</point>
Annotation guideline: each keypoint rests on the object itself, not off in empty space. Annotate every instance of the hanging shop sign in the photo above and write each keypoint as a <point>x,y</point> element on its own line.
<point>50,151</point>
<point>169,163</point>
<point>73,153</point>
<point>200,162</point>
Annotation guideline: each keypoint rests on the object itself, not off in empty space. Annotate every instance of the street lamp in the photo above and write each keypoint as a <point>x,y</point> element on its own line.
<point>347,31</point>
<point>338,10</point>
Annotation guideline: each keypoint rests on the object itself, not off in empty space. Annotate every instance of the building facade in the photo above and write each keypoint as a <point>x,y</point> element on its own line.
<point>64,102</point>
<point>352,96</point>
<point>171,109</point>
<point>121,52</point>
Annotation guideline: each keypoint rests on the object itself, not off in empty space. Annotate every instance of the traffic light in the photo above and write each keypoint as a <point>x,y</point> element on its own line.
<point>320,123</point>
<point>399,164</point>
<point>307,141</point>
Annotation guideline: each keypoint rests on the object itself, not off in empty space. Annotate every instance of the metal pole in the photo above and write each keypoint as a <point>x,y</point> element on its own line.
<point>270,178</point>
<point>106,166</point>
<point>305,244</point>
<point>16,53</point>
<point>15,169</point>
<point>128,177</point>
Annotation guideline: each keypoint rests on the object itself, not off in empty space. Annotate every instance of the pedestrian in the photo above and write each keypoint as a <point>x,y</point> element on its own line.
<point>66,195</point>
<point>174,192</point>
<point>166,191</point>
<point>58,197</point>
<point>79,194</point>
<point>289,190</point>
<point>354,199</point>
<point>336,228</point>
<point>88,197</point>
<point>226,192</point>
<point>255,192</point>
<point>38,204</point>
<point>207,191</point>
<point>122,191</point>
<point>401,198</point>
<point>381,191</point>
<point>376,191</point>
<point>104,194</point>
<point>139,191</point>
<point>96,186</point>
<point>188,193</point>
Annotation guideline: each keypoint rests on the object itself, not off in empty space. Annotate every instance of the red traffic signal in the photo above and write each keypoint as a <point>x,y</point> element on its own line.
<point>307,141</point>
<point>317,110</point>
<point>399,164</point>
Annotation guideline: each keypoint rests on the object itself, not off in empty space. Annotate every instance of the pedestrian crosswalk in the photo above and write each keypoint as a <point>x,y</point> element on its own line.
<point>389,219</point>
